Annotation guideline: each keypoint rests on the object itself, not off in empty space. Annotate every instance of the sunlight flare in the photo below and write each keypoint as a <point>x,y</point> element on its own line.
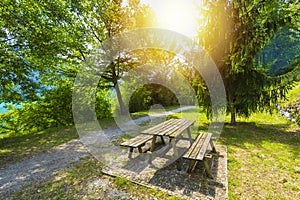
<point>176,15</point>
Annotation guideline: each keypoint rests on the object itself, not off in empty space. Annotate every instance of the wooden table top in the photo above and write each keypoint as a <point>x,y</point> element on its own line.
<point>171,128</point>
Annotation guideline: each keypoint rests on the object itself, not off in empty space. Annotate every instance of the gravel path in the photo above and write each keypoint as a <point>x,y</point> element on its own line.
<point>41,167</point>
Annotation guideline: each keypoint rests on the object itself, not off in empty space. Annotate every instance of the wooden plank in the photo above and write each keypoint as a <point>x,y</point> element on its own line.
<point>157,127</point>
<point>191,149</point>
<point>177,127</point>
<point>137,141</point>
<point>208,158</point>
<point>174,148</point>
<point>185,125</point>
<point>143,139</point>
<point>130,141</point>
<point>171,127</point>
<point>180,127</point>
<point>204,146</point>
<point>213,146</point>
<point>198,146</point>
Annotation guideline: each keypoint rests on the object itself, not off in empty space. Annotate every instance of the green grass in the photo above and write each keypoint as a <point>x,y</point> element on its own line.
<point>263,162</point>
<point>293,94</point>
<point>110,122</point>
<point>263,158</point>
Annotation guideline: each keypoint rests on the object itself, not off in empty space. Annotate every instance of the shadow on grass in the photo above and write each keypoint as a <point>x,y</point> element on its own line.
<point>244,134</point>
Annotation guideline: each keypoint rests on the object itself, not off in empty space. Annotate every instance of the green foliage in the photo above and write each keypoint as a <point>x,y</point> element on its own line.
<point>43,43</point>
<point>147,95</point>
<point>122,182</point>
<point>37,38</point>
<point>235,33</point>
<point>102,104</point>
<point>279,55</point>
<point>42,46</point>
<point>53,110</point>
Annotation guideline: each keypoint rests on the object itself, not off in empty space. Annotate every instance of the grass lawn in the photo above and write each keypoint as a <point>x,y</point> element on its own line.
<point>263,162</point>
<point>263,158</point>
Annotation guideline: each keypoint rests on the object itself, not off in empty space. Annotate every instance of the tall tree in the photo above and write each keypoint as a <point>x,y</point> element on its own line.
<point>234,33</point>
<point>36,38</point>
<point>43,43</point>
<point>116,19</point>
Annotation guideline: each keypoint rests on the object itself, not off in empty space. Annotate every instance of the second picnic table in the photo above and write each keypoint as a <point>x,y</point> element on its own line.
<point>172,129</point>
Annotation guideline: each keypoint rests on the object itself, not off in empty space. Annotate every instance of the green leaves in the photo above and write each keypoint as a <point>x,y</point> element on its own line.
<point>235,33</point>
<point>36,37</point>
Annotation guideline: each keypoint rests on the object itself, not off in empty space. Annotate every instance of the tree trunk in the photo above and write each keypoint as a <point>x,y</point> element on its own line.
<point>123,110</point>
<point>232,111</point>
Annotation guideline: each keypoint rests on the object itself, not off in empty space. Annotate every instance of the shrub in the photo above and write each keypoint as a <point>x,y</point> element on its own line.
<point>52,110</point>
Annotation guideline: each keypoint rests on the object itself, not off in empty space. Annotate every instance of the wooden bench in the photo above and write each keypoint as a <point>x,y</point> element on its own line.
<point>198,151</point>
<point>136,142</point>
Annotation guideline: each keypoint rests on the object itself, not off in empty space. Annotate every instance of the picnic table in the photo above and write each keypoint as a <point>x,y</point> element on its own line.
<point>172,129</point>
<point>198,151</point>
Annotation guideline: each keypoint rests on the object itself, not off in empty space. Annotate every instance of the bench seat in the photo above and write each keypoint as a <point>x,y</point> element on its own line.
<point>198,151</point>
<point>137,142</point>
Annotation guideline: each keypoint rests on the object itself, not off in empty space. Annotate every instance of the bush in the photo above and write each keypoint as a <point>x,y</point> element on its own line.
<point>52,110</point>
<point>146,96</point>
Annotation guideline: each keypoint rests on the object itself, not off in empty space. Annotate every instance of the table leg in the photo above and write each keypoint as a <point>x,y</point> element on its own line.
<point>162,139</point>
<point>130,152</point>
<point>174,147</point>
<point>153,143</point>
<point>189,135</point>
<point>140,149</point>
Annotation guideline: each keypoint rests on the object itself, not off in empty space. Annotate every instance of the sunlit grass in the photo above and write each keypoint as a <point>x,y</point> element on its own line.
<point>293,94</point>
<point>263,158</point>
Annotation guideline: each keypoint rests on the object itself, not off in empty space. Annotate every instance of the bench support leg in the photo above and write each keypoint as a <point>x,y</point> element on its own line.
<point>192,166</point>
<point>179,164</point>
<point>212,146</point>
<point>153,143</point>
<point>207,167</point>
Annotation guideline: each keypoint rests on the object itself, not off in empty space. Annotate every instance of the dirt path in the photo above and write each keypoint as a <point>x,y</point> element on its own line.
<point>41,167</point>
